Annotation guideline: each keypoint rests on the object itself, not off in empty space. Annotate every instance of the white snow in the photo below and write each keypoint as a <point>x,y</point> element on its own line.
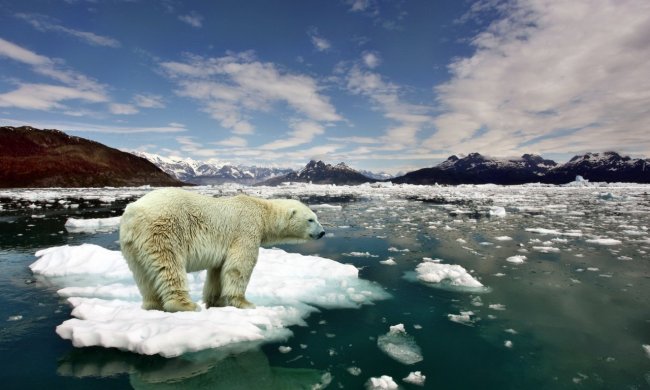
<point>400,345</point>
<point>384,382</point>
<point>451,274</point>
<point>92,225</point>
<point>286,287</point>
<point>497,211</point>
<point>517,259</point>
<point>415,378</point>
<point>604,241</point>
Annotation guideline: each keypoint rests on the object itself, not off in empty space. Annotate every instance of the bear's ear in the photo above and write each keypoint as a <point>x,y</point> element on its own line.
<point>292,212</point>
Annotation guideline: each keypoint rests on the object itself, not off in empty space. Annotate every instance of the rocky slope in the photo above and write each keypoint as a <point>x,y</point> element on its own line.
<point>317,172</point>
<point>31,157</point>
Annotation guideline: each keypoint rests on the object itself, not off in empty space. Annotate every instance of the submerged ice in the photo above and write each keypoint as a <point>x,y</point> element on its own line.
<point>400,345</point>
<point>286,287</point>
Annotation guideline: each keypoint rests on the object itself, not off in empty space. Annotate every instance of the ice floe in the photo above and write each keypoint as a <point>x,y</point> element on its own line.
<point>604,241</point>
<point>446,275</point>
<point>465,317</point>
<point>646,349</point>
<point>384,382</point>
<point>400,345</point>
<point>415,378</point>
<point>517,259</point>
<point>92,225</point>
<point>286,287</point>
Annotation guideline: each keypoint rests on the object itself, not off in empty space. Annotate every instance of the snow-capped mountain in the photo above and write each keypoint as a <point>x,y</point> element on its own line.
<point>607,166</point>
<point>211,171</point>
<point>478,169</point>
<point>318,172</point>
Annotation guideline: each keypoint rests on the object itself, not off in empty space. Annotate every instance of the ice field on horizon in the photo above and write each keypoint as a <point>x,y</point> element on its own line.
<point>548,281</point>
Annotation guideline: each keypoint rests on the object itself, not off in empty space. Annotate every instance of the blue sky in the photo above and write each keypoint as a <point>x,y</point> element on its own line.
<point>381,85</point>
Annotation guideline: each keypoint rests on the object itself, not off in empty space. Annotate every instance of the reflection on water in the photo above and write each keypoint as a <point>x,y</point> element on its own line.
<point>577,315</point>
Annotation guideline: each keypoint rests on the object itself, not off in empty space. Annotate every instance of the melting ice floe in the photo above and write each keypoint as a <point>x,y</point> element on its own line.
<point>384,382</point>
<point>286,287</point>
<point>74,225</point>
<point>400,345</point>
<point>415,378</point>
<point>450,276</point>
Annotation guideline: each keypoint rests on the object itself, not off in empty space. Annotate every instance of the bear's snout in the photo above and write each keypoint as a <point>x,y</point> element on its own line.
<point>321,234</point>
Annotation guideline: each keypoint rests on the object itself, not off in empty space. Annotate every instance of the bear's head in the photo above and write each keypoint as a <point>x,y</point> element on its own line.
<point>297,222</point>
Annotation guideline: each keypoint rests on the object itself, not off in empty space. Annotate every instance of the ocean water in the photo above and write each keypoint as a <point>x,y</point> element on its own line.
<point>574,314</point>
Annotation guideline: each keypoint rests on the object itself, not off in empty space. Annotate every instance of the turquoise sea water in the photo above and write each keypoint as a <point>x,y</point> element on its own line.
<point>575,318</point>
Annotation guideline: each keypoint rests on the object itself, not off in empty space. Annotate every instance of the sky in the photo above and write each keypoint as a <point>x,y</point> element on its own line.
<point>381,85</point>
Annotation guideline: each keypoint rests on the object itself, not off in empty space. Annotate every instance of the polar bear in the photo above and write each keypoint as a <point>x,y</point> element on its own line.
<point>169,232</point>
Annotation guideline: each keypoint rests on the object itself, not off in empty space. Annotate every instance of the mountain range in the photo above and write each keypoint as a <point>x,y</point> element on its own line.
<point>31,157</point>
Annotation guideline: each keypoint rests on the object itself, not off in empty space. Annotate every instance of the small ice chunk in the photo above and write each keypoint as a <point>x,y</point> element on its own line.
<point>452,274</point>
<point>511,331</point>
<point>503,238</point>
<point>546,249</point>
<point>497,306</point>
<point>15,318</point>
<point>389,261</point>
<point>356,371</point>
<point>384,382</point>
<point>400,345</point>
<point>415,378</point>
<point>359,254</point>
<point>497,211</point>
<point>393,249</point>
<point>604,241</point>
<point>517,259</point>
<point>284,349</point>
<point>325,206</point>
<point>465,317</point>
<point>646,349</point>
<point>462,241</point>
<point>508,344</point>
<point>92,225</point>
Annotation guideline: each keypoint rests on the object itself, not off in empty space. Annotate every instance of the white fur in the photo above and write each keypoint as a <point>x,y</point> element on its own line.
<point>170,232</point>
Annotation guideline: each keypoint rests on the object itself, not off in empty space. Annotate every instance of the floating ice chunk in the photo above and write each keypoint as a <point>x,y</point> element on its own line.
<point>384,382</point>
<point>465,317</point>
<point>497,211</point>
<point>497,306</point>
<point>415,378</point>
<point>546,249</point>
<point>325,206</point>
<point>400,345</point>
<point>517,259</point>
<point>285,287</point>
<point>508,344</point>
<point>393,249</point>
<point>389,261</point>
<point>646,349</point>
<point>15,318</point>
<point>92,225</point>
<point>449,274</point>
<point>359,254</point>
<point>511,331</point>
<point>356,371</point>
<point>570,233</point>
<point>604,241</point>
<point>503,238</point>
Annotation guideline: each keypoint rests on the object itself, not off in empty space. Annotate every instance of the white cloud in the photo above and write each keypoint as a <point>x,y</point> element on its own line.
<point>46,97</point>
<point>371,59</point>
<point>551,77</point>
<point>409,119</point>
<point>232,87</point>
<point>360,5</point>
<point>194,19</point>
<point>320,43</point>
<point>76,127</point>
<point>122,109</point>
<point>302,133</point>
<point>237,142</point>
<point>45,24</point>
<point>148,101</point>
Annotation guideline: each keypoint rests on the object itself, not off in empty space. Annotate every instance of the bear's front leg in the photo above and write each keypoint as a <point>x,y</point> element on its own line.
<point>235,275</point>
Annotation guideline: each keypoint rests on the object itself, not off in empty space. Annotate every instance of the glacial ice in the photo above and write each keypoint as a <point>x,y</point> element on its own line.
<point>384,382</point>
<point>286,288</point>
<point>400,345</point>
<point>446,275</point>
<point>415,378</point>
<point>92,225</point>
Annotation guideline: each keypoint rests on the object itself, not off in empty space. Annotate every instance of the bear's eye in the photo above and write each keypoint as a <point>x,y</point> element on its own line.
<point>310,220</point>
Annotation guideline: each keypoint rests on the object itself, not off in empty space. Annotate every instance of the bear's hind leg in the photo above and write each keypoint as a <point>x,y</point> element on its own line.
<point>235,275</point>
<point>150,298</point>
<point>170,283</point>
<point>212,287</point>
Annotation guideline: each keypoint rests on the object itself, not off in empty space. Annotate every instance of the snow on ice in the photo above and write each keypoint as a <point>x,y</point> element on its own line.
<point>286,287</point>
<point>400,345</point>
<point>92,225</point>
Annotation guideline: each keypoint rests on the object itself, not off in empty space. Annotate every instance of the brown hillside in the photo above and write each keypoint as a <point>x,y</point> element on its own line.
<point>31,157</point>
